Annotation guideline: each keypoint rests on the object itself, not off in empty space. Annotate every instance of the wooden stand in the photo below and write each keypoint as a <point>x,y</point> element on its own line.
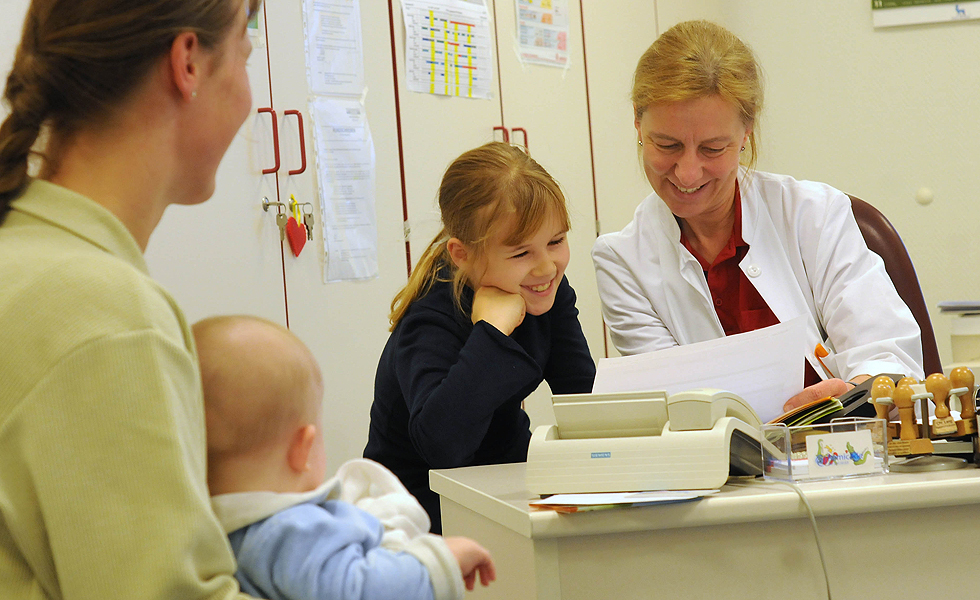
<point>914,447</point>
<point>909,438</point>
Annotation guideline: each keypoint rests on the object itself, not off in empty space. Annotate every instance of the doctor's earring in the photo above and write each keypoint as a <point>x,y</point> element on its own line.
<point>640,142</point>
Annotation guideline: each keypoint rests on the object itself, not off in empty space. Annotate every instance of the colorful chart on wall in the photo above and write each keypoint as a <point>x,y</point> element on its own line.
<point>542,32</point>
<point>448,49</point>
<point>891,13</point>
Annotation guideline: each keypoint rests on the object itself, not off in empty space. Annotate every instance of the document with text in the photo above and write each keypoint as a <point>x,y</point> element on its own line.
<point>764,367</point>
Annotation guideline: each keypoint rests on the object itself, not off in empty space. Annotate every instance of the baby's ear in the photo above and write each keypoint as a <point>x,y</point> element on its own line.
<point>300,444</point>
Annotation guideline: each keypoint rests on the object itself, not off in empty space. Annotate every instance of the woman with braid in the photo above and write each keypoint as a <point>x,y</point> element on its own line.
<point>128,107</point>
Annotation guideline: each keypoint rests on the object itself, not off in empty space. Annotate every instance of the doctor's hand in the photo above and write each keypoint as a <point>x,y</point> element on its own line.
<point>503,310</point>
<point>827,387</point>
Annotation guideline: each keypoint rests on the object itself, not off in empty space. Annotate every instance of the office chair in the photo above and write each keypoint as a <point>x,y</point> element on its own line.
<point>884,241</point>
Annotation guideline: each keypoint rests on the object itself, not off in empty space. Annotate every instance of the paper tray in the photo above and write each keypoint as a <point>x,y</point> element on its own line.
<point>841,448</point>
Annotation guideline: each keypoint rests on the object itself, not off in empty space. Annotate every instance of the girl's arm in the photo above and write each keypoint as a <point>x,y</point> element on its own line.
<point>453,377</point>
<point>570,368</point>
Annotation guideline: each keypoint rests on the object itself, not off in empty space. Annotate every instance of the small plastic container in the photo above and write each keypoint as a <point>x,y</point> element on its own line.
<point>849,447</point>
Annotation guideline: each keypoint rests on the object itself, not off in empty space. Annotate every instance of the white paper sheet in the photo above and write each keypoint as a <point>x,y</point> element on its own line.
<point>345,174</point>
<point>335,56</point>
<point>448,48</point>
<point>764,367</point>
<point>634,498</point>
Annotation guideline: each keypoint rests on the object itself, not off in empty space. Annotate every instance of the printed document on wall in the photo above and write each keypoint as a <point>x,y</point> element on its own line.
<point>334,51</point>
<point>448,48</point>
<point>345,174</point>
<point>542,32</point>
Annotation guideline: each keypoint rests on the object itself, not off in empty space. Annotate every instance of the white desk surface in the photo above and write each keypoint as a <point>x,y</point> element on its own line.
<point>498,493</point>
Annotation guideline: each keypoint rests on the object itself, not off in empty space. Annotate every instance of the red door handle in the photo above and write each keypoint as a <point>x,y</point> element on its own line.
<point>302,141</point>
<point>275,139</point>
<point>523,131</point>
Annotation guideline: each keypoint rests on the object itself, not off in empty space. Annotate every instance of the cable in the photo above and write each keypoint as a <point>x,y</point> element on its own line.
<point>816,532</point>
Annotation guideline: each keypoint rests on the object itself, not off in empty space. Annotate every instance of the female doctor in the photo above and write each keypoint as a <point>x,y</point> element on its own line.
<point>720,248</point>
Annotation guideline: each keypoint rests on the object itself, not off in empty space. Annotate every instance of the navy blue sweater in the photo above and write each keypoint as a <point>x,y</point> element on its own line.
<point>448,393</point>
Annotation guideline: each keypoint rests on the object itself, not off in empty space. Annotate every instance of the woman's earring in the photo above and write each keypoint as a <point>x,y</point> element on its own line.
<point>743,149</point>
<point>640,142</point>
<point>194,95</point>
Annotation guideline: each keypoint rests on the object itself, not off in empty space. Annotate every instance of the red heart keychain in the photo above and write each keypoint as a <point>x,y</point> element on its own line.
<point>296,233</point>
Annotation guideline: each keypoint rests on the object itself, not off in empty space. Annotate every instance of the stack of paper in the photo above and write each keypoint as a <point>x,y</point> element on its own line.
<point>573,503</point>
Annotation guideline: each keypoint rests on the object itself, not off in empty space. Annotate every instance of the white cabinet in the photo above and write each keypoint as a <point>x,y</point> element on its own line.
<point>345,324</point>
<point>550,106</point>
<point>226,257</point>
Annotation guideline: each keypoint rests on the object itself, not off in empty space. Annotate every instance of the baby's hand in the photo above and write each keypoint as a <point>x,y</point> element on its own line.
<point>473,558</point>
<point>503,310</point>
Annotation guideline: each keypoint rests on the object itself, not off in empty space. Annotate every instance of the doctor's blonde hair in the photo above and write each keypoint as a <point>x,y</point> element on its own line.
<point>478,192</point>
<point>696,59</point>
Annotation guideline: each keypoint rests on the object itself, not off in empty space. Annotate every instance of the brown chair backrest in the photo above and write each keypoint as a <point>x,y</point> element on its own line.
<point>884,241</point>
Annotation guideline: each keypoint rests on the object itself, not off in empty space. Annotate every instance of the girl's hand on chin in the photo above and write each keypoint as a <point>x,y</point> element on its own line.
<point>503,310</point>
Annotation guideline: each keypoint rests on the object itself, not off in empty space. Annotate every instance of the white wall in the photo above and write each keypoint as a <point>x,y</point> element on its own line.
<point>879,114</point>
<point>876,113</point>
<point>11,25</point>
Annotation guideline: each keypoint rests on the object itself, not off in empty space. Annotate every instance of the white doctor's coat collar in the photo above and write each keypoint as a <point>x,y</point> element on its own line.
<point>765,264</point>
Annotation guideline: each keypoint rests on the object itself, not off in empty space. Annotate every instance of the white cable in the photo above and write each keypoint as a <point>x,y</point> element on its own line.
<point>816,532</point>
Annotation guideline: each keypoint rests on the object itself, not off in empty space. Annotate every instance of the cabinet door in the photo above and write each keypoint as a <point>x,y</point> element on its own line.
<point>550,104</point>
<point>615,40</point>
<point>434,131</point>
<point>225,256</point>
<point>345,324</point>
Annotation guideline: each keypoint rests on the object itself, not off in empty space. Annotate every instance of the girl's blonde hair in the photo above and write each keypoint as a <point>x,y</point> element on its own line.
<point>479,191</point>
<point>695,59</point>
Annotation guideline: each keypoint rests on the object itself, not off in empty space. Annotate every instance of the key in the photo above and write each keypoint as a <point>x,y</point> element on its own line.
<point>308,223</point>
<point>281,220</point>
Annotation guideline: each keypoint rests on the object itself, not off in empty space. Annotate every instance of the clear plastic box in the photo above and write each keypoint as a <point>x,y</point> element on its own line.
<point>850,447</point>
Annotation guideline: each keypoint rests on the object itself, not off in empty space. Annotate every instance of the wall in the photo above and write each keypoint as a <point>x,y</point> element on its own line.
<point>878,114</point>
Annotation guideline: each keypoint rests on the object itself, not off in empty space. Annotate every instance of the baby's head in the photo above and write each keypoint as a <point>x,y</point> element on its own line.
<point>262,401</point>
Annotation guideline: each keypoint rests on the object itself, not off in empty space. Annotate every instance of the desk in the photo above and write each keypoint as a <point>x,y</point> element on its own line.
<point>753,532</point>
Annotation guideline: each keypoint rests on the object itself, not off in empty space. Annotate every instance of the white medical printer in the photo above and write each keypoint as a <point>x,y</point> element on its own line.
<point>639,441</point>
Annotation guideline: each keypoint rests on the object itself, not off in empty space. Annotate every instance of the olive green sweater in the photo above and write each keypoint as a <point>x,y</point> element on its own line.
<point>103,491</point>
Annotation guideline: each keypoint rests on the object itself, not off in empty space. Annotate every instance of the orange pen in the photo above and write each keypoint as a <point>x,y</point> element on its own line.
<point>822,353</point>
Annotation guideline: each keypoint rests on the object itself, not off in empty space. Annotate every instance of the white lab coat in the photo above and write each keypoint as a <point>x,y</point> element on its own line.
<point>806,257</point>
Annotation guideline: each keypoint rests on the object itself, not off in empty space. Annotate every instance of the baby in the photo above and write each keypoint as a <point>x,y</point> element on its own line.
<point>296,537</point>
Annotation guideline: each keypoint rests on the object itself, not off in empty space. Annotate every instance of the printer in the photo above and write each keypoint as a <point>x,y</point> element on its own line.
<point>639,441</point>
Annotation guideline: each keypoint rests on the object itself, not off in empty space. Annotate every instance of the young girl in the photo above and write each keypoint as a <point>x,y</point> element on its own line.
<point>485,316</point>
